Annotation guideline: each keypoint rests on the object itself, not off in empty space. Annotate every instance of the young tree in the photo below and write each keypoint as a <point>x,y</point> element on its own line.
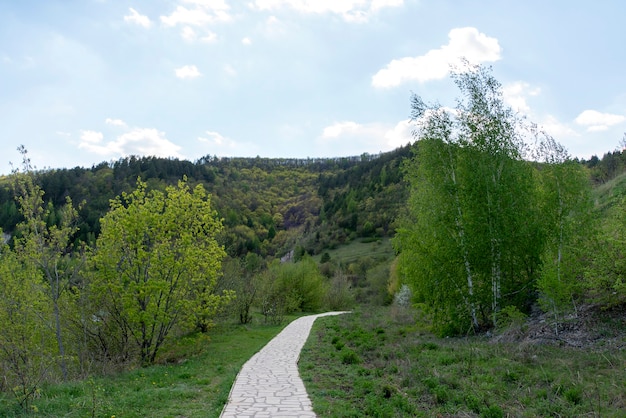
<point>242,276</point>
<point>46,245</point>
<point>27,347</point>
<point>567,218</point>
<point>156,264</point>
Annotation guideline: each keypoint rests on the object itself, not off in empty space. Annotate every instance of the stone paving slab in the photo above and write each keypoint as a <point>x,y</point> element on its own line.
<point>269,384</point>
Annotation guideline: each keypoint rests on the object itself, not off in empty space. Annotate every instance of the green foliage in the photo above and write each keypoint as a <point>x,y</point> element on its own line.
<point>291,287</point>
<point>568,227</point>
<point>156,265</point>
<point>26,340</point>
<point>510,316</point>
<point>243,277</point>
<point>44,245</point>
<point>339,295</point>
<point>485,227</point>
<point>607,269</point>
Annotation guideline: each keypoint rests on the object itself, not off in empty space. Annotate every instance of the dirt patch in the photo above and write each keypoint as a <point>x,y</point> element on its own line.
<point>588,327</point>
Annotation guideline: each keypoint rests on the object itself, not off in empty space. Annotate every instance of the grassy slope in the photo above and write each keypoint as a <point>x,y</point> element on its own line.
<point>193,381</point>
<point>360,249</point>
<point>375,362</point>
<point>607,196</point>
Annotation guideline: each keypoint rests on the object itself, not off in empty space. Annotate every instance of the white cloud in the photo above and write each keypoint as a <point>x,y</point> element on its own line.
<point>381,4</point>
<point>224,146</point>
<point>516,94</point>
<point>215,138</point>
<point>137,141</point>
<point>557,129</point>
<point>189,34</point>
<point>187,71</point>
<point>115,122</point>
<point>209,37</point>
<point>201,13</point>
<point>274,27</point>
<point>352,138</point>
<point>400,135</point>
<point>466,43</point>
<point>349,10</point>
<point>341,128</point>
<point>91,137</point>
<point>137,18</point>
<point>598,121</point>
<point>246,41</point>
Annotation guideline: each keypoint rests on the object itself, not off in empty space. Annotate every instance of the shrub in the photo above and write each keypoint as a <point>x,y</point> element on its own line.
<point>350,357</point>
<point>339,296</point>
<point>292,287</point>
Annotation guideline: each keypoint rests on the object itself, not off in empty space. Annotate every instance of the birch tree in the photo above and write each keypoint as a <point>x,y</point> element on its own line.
<point>567,208</point>
<point>471,243</point>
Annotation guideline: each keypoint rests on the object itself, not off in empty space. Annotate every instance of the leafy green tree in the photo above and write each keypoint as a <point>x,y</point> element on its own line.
<point>46,243</point>
<point>471,243</point>
<point>242,276</point>
<point>567,211</point>
<point>156,264</point>
<point>27,346</point>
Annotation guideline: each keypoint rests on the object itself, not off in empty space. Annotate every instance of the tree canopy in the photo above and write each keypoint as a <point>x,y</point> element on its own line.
<point>156,264</point>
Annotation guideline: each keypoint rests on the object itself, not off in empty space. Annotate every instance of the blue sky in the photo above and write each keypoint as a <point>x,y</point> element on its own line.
<point>86,81</point>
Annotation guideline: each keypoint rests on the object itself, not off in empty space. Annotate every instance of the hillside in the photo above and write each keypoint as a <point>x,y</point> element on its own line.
<point>268,206</point>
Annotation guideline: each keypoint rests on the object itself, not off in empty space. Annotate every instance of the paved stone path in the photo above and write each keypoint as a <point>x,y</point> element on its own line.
<point>269,384</point>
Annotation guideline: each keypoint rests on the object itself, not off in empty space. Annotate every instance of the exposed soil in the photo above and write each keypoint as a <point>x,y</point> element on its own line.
<point>589,327</point>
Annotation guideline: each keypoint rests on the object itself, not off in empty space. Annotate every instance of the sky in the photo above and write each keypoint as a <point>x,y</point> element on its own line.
<point>87,81</point>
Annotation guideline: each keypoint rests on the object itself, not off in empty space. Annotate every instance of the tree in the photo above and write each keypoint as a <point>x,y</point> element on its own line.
<point>46,244</point>
<point>567,218</point>
<point>156,264</point>
<point>242,276</point>
<point>26,342</point>
<point>471,243</point>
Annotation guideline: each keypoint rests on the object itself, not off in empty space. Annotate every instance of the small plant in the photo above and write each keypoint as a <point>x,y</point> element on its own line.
<point>492,411</point>
<point>573,395</point>
<point>510,317</point>
<point>403,297</point>
<point>441,394</point>
<point>350,357</point>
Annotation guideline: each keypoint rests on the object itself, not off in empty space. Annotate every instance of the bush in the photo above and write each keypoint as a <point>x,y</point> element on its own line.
<point>350,357</point>
<point>339,296</point>
<point>292,287</point>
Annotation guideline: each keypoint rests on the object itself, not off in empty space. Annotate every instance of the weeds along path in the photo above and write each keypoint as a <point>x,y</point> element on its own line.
<point>269,384</point>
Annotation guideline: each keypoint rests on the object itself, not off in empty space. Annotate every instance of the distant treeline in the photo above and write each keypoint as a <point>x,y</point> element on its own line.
<point>269,205</point>
<point>608,167</point>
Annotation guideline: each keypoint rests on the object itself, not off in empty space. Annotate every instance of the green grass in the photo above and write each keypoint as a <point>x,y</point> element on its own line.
<point>609,195</point>
<point>379,249</point>
<point>194,380</point>
<point>374,363</point>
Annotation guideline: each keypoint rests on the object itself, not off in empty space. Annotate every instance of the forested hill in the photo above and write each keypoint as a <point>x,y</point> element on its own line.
<point>269,206</point>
